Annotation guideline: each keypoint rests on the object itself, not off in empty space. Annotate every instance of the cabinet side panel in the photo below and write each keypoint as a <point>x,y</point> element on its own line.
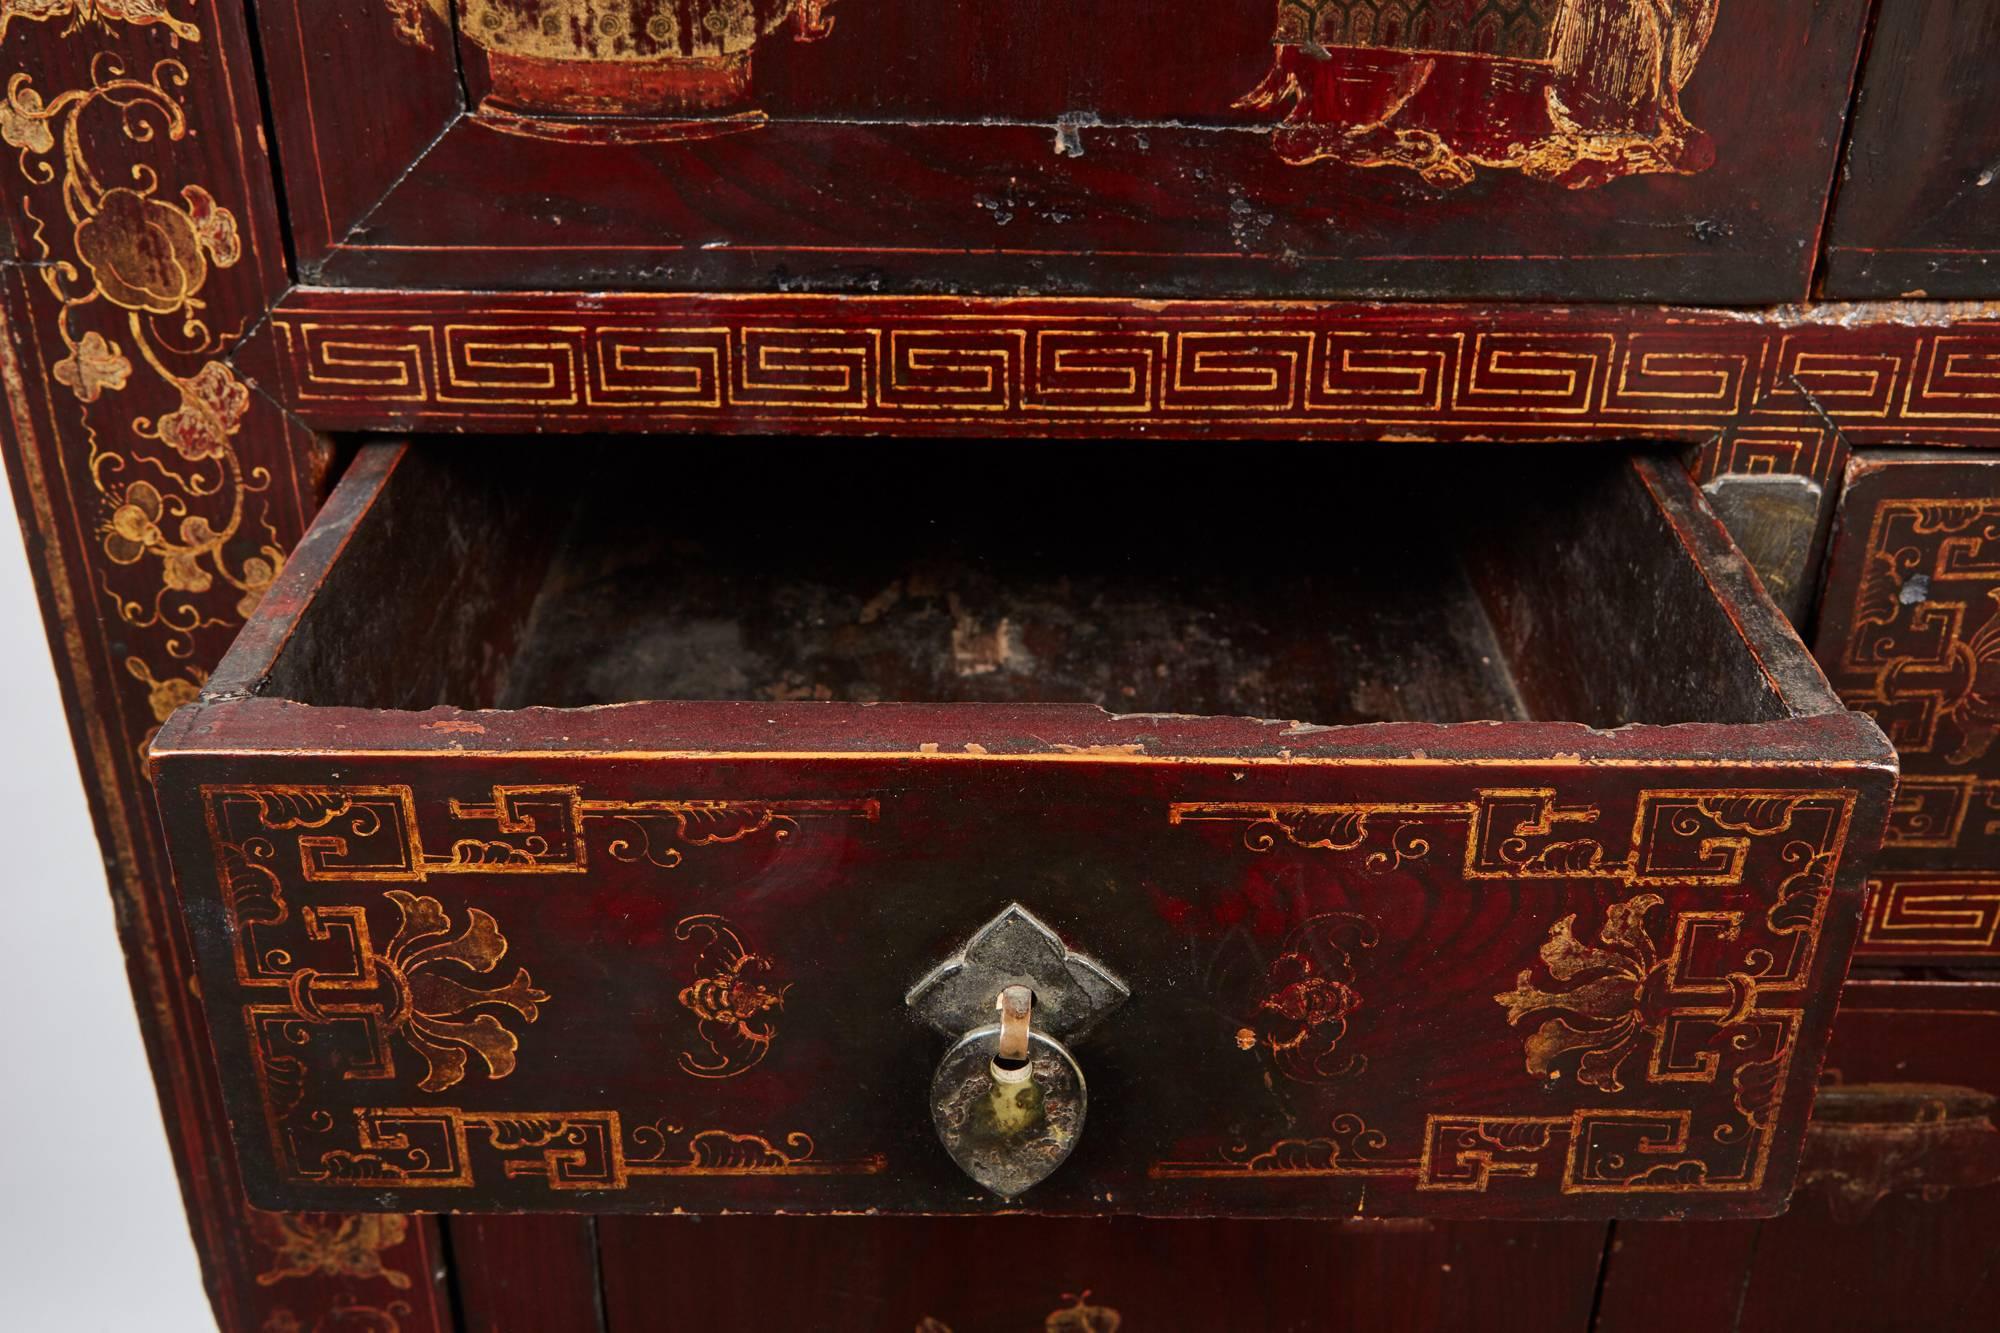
<point>158,495</point>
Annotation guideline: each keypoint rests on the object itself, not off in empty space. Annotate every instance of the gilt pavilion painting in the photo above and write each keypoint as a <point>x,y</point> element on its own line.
<point>1572,92</point>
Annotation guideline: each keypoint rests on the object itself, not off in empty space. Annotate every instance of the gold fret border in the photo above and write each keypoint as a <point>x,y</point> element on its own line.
<point>1468,1154</point>
<point>433,1147</point>
<point>1939,914</point>
<point>315,967</point>
<point>1732,375</point>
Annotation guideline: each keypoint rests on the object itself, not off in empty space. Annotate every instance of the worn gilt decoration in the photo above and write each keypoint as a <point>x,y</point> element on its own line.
<point>1605,999</point>
<point>303,1244</point>
<point>1909,633</point>
<point>1574,92</point>
<point>344,1315</point>
<point>1922,657</point>
<point>77,15</point>
<point>1079,1316</point>
<point>1309,993</point>
<point>737,1011</point>
<point>660,833</point>
<point>1631,1001</point>
<point>1933,913</point>
<point>128,259</point>
<point>1786,395</point>
<point>619,57</point>
<point>354,978</point>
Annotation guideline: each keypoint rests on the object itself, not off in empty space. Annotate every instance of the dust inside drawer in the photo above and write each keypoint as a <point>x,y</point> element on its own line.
<point>1337,589</point>
<point>607,825</point>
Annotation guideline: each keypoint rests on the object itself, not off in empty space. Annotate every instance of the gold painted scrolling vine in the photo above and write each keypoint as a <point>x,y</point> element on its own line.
<point>1702,996</point>
<point>129,278</point>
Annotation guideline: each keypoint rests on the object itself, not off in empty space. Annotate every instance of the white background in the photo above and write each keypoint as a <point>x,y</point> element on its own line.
<point>92,1235</point>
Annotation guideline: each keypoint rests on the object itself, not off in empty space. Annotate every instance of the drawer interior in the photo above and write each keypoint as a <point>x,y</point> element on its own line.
<point>1429,584</point>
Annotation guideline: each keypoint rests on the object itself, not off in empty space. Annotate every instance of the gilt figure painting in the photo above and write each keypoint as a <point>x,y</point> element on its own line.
<point>1575,92</point>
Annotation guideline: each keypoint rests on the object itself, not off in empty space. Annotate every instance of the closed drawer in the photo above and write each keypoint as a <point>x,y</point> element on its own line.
<point>625,829</point>
<point>1909,632</point>
<point>1907,1097</point>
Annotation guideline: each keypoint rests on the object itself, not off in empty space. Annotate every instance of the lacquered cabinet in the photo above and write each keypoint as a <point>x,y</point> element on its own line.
<point>626,570</point>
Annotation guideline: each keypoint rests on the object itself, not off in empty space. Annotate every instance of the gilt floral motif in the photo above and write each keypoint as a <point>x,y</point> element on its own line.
<point>1610,1000</point>
<point>330,1245</point>
<point>1309,994</point>
<point>94,365</point>
<point>436,1010</point>
<point>130,282</point>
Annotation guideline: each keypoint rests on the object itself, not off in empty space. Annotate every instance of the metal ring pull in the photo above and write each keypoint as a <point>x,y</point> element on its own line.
<point>1008,1099</point>
<point>1011,1063</point>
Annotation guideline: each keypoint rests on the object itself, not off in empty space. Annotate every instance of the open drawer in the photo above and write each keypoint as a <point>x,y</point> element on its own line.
<point>640,827</point>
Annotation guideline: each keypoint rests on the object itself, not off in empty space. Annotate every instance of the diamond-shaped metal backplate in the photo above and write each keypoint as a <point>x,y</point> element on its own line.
<point>1017,948</point>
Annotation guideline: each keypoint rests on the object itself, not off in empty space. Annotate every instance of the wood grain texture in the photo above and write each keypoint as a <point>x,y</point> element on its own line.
<point>1915,213</point>
<point>525,1273</point>
<point>354,103</point>
<point>1021,1275</point>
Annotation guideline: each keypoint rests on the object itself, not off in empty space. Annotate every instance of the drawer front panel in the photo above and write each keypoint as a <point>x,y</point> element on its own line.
<point>1907,1106</point>
<point>642,983</point>
<point>1910,634</point>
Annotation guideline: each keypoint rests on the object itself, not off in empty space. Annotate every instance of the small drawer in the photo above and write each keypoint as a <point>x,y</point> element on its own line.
<point>1908,1097</point>
<point>1909,633</point>
<point>644,828</point>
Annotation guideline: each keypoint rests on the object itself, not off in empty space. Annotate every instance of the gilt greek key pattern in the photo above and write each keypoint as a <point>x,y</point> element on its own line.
<point>1628,997</point>
<point>1758,396</point>
<point>344,987</point>
<point>1944,914</point>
